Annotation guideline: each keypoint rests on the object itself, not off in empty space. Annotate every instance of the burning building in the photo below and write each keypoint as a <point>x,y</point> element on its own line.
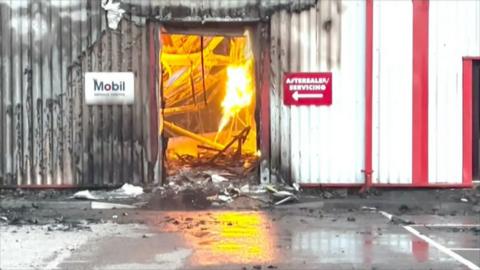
<point>204,83</point>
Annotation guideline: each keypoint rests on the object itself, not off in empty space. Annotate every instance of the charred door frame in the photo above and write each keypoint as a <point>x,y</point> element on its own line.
<point>261,51</point>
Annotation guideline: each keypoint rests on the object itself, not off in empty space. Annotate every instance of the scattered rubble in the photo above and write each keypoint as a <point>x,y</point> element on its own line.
<point>366,208</point>
<point>106,205</point>
<point>396,220</point>
<point>124,192</point>
<point>84,195</point>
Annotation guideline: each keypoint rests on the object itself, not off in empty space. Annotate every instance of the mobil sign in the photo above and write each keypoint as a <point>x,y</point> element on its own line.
<point>307,88</point>
<point>109,88</point>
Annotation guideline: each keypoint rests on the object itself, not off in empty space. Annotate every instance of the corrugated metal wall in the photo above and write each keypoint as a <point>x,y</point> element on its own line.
<point>392,92</point>
<point>214,10</point>
<point>39,40</point>
<point>112,144</point>
<point>320,145</point>
<point>48,136</point>
<point>454,33</point>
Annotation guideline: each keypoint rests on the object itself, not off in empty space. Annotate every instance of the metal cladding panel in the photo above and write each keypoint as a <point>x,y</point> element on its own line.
<point>214,10</point>
<point>320,145</point>
<point>48,136</point>
<point>40,39</point>
<point>392,92</point>
<point>454,33</point>
<point>111,142</point>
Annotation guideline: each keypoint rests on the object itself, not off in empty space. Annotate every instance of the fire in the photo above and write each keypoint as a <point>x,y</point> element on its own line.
<point>238,93</point>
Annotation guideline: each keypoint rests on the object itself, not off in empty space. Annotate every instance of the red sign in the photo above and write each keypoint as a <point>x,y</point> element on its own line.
<point>307,88</point>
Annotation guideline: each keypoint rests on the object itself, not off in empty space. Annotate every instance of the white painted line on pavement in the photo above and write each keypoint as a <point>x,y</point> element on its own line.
<point>466,249</point>
<point>445,225</point>
<point>443,249</point>
<point>432,242</point>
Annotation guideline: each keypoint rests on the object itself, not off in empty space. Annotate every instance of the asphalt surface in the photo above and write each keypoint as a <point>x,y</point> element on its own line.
<point>285,238</point>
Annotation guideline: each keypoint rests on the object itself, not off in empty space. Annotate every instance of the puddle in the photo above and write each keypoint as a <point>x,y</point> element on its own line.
<point>220,238</point>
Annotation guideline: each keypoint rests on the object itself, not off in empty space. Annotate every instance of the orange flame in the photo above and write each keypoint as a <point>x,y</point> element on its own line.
<point>239,92</point>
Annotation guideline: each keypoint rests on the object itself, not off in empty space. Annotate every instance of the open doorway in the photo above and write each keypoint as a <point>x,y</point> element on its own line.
<point>476,118</point>
<point>208,96</point>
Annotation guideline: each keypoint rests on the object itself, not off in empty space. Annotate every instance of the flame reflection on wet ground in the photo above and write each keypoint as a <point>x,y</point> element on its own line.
<point>223,238</point>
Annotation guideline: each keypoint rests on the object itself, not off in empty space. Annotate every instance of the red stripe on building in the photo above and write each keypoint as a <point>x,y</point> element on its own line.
<point>467,122</point>
<point>368,93</point>
<point>420,92</point>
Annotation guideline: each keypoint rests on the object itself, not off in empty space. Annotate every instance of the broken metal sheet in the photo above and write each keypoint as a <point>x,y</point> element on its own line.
<point>124,192</point>
<point>106,205</point>
<point>114,13</point>
<point>286,199</point>
<point>218,178</point>
<point>84,195</point>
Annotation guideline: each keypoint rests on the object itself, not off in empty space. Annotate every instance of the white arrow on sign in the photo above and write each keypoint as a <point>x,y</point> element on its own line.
<point>298,96</point>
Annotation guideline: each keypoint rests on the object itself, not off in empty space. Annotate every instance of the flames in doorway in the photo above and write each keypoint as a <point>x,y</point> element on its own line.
<point>208,85</point>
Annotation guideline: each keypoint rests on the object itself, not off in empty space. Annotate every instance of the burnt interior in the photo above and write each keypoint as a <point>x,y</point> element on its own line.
<point>208,95</point>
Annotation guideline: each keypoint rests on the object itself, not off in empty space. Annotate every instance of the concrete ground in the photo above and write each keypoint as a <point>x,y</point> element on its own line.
<point>300,236</point>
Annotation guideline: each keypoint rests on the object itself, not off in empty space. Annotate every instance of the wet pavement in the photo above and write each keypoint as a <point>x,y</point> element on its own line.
<point>280,239</point>
<point>341,232</point>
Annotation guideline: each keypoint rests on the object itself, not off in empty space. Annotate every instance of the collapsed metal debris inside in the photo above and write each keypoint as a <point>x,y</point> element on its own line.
<point>208,91</point>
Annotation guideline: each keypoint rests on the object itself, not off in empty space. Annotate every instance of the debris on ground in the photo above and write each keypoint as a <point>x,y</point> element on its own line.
<point>366,208</point>
<point>281,196</point>
<point>396,220</point>
<point>202,187</point>
<point>125,192</point>
<point>84,195</point>
<point>107,205</point>
<point>65,227</point>
<point>403,208</point>
<point>218,178</point>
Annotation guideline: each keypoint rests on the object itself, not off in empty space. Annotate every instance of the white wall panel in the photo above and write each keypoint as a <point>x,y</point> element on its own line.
<point>392,92</point>
<point>327,143</point>
<point>454,32</point>
<point>321,145</point>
